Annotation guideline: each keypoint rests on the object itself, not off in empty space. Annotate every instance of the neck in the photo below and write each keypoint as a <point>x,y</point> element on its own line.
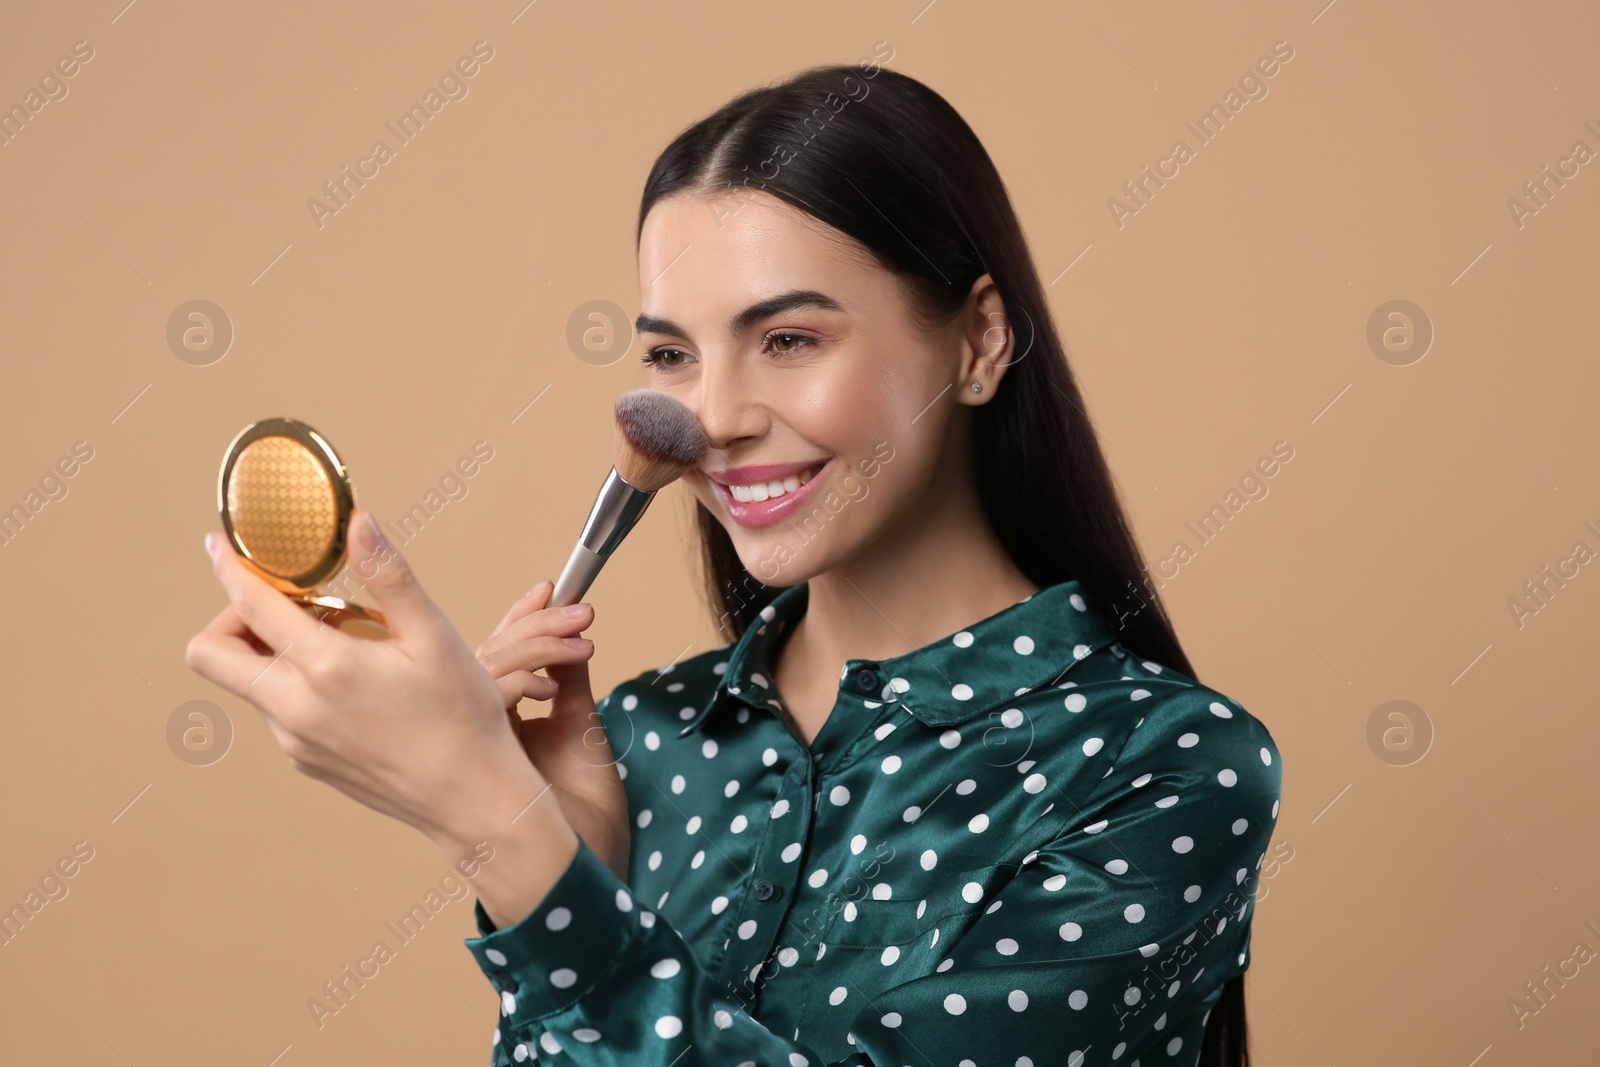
<point>941,569</point>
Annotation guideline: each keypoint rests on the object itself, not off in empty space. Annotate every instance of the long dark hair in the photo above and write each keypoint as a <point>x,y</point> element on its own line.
<point>879,156</point>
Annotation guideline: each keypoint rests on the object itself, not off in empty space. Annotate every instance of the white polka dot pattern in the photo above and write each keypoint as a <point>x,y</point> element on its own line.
<point>1014,827</point>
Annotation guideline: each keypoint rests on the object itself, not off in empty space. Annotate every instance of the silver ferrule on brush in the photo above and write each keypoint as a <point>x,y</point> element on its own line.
<point>616,509</point>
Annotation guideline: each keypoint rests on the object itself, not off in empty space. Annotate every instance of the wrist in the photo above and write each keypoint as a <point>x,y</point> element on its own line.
<point>510,841</point>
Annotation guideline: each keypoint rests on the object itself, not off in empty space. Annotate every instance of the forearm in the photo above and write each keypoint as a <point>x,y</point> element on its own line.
<point>516,814</point>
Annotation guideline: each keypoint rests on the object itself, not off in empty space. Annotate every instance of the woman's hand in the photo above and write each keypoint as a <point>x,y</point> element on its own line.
<point>569,746</point>
<point>411,726</point>
<point>532,637</point>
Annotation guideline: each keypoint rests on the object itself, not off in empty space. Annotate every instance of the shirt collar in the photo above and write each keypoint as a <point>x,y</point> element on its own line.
<point>955,678</point>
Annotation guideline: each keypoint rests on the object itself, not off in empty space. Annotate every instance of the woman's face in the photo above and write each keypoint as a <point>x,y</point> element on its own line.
<point>829,411</point>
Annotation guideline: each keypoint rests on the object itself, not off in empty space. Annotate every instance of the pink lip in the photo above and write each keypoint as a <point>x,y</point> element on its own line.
<point>767,512</point>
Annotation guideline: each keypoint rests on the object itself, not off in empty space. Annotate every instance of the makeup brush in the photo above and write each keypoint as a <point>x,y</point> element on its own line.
<point>657,439</point>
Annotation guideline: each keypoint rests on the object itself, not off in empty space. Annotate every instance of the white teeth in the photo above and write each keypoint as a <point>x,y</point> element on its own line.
<point>761,491</point>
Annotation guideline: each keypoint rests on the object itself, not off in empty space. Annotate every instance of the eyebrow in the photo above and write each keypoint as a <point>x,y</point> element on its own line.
<point>775,305</point>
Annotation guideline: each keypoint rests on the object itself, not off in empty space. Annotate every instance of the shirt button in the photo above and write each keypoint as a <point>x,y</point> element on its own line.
<point>868,680</point>
<point>508,984</point>
<point>766,890</point>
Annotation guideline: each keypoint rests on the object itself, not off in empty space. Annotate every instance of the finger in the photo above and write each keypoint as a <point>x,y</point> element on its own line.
<point>532,600</point>
<point>227,653</point>
<point>552,622</point>
<point>227,617</point>
<point>572,618</point>
<point>530,615</point>
<point>407,609</point>
<point>534,653</point>
<point>266,611</point>
<point>519,684</point>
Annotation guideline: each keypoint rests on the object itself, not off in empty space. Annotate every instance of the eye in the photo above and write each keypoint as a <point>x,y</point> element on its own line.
<point>801,342</point>
<point>657,357</point>
<point>779,342</point>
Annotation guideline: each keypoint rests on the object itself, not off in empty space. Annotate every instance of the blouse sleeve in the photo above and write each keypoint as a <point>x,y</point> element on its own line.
<point>593,974</point>
<point>1098,941</point>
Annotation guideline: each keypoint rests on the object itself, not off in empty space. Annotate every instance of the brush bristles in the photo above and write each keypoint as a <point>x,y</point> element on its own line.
<point>657,439</point>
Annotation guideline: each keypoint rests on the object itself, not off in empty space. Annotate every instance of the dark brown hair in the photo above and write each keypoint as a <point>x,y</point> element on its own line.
<point>885,160</point>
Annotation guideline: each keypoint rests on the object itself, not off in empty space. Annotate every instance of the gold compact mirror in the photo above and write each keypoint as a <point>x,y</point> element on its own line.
<point>285,499</point>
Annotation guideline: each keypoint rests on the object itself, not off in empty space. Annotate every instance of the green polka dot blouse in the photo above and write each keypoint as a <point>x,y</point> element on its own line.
<point>1019,845</point>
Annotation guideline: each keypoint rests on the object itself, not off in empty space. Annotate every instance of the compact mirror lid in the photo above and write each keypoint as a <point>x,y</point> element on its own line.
<point>285,500</point>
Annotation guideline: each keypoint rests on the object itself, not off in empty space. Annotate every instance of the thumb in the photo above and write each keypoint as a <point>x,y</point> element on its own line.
<point>574,700</point>
<point>574,715</point>
<point>385,572</point>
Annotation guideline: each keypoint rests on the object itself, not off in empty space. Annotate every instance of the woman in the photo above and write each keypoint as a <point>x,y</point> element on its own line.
<point>951,793</point>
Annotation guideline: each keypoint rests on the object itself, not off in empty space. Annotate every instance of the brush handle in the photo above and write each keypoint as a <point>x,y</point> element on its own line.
<point>582,568</point>
<point>617,508</point>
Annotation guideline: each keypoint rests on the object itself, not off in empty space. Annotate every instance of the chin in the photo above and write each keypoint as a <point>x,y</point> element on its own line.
<point>771,560</point>
<point>779,561</point>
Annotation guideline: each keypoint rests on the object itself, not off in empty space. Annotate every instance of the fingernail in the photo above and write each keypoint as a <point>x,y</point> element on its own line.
<point>378,540</point>
<point>212,543</point>
<point>538,587</point>
<point>576,609</point>
<point>578,642</point>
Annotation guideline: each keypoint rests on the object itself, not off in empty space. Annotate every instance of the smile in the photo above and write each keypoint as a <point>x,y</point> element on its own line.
<point>761,503</point>
<point>756,492</point>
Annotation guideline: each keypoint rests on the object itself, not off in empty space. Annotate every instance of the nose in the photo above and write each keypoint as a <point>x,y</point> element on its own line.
<point>724,402</point>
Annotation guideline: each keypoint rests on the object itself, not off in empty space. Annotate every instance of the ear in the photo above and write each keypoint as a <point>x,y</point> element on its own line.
<point>990,342</point>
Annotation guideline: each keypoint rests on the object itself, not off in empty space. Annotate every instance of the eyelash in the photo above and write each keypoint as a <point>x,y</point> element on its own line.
<point>652,358</point>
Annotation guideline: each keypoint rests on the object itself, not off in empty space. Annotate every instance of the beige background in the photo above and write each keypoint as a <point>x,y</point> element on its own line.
<point>1228,314</point>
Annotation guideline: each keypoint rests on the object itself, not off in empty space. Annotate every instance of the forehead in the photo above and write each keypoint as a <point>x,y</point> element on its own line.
<point>715,253</point>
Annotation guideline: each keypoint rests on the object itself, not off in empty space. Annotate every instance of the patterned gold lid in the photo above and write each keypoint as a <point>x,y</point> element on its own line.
<point>282,504</point>
<point>286,500</point>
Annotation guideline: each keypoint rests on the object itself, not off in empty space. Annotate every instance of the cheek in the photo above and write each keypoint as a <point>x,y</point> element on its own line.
<point>699,486</point>
<point>830,412</point>
<point>848,411</point>
<point>891,488</point>
<point>886,430</point>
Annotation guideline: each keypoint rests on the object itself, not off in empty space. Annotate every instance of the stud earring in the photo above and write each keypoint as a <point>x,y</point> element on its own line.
<point>977,387</point>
